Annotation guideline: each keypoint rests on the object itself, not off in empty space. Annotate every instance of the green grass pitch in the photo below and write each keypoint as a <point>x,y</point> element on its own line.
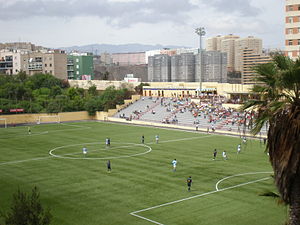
<point>80,191</point>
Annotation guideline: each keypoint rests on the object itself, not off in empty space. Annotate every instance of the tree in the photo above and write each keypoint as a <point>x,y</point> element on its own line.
<point>93,90</point>
<point>139,88</point>
<point>27,210</point>
<point>279,106</point>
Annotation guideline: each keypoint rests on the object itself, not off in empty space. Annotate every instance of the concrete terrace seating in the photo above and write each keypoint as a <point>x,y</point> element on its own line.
<point>139,106</point>
<point>174,111</point>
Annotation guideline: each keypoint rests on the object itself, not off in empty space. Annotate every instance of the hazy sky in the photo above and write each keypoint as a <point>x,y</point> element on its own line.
<point>57,23</point>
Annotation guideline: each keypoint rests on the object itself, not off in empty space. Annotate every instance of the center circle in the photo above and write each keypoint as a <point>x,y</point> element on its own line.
<point>122,146</point>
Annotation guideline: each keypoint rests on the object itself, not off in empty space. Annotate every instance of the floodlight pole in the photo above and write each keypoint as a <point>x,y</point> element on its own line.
<point>201,32</point>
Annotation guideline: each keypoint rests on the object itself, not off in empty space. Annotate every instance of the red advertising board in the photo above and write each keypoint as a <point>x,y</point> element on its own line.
<point>16,110</point>
<point>1,110</point>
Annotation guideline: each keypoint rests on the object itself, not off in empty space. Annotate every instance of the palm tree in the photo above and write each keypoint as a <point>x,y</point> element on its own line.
<point>279,106</point>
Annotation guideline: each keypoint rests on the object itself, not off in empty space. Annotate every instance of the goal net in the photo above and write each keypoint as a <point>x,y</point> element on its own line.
<point>48,119</point>
<point>3,122</point>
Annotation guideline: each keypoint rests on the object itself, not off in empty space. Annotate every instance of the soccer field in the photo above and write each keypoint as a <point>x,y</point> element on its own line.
<point>142,188</point>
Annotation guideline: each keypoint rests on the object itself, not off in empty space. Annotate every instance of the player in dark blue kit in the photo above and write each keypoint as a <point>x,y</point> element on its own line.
<point>189,183</point>
<point>143,139</point>
<point>215,154</point>
<point>108,166</point>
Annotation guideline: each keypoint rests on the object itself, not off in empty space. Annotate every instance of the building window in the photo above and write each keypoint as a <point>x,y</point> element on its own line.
<point>77,66</point>
<point>290,42</point>
<point>50,71</point>
<point>50,64</point>
<point>298,7</point>
<point>290,19</point>
<point>45,64</point>
<point>77,72</point>
<point>298,42</point>
<point>290,8</point>
<point>290,31</point>
<point>77,60</point>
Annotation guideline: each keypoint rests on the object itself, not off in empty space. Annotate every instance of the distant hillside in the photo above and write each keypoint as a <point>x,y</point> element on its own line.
<point>100,48</point>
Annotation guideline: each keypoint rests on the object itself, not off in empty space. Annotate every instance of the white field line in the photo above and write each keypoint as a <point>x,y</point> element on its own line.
<point>25,133</point>
<point>238,175</point>
<point>144,218</point>
<point>94,158</point>
<point>49,157</point>
<point>25,160</point>
<point>189,198</point>
<point>116,157</point>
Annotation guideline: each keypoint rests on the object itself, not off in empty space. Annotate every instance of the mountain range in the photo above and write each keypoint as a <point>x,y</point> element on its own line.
<point>123,48</point>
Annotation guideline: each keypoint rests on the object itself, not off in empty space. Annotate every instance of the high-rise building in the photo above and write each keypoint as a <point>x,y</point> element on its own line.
<point>185,67</point>
<point>213,66</point>
<point>292,28</point>
<point>255,44</point>
<point>251,59</point>
<point>233,45</point>
<point>159,68</point>
<point>80,66</point>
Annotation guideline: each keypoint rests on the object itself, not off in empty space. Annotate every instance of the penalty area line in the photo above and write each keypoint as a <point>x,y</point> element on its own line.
<point>189,198</point>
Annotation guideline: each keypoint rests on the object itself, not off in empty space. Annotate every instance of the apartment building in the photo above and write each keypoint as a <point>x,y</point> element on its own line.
<point>52,62</point>
<point>251,59</point>
<point>183,67</point>
<point>292,28</point>
<point>233,45</point>
<point>212,65</point>
<point>10,62</point>
<point>255,44</point>
<point>80,66</point>
<point>224,44</point>
<point>186,67</point>
<point>159,68</point>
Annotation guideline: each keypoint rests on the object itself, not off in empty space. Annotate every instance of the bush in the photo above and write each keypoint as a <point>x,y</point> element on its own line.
<point>27,209</point>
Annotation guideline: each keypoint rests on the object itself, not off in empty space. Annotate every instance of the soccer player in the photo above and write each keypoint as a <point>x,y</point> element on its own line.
<point>107,142</point>
<point>29,130</point>
<point>84,151</point>
<point>143,139</point>
<point>215,154</point>
<point>157,138</point>
<point>238,149</point>
<point>174,163</point>
<point>108,166</point>
<point>244,140</point>
<point>224,155</point>
<point>189,183</point>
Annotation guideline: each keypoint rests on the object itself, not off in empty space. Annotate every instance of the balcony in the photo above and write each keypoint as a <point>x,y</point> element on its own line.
<point>35,66</point>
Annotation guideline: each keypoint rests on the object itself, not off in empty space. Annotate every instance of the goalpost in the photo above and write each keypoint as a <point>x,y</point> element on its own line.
<point>3,122</point>
<point>48,119</point>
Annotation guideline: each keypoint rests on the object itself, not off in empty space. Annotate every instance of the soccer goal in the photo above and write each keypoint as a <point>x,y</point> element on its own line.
<point>3,122</point>
<point>48,119</point>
